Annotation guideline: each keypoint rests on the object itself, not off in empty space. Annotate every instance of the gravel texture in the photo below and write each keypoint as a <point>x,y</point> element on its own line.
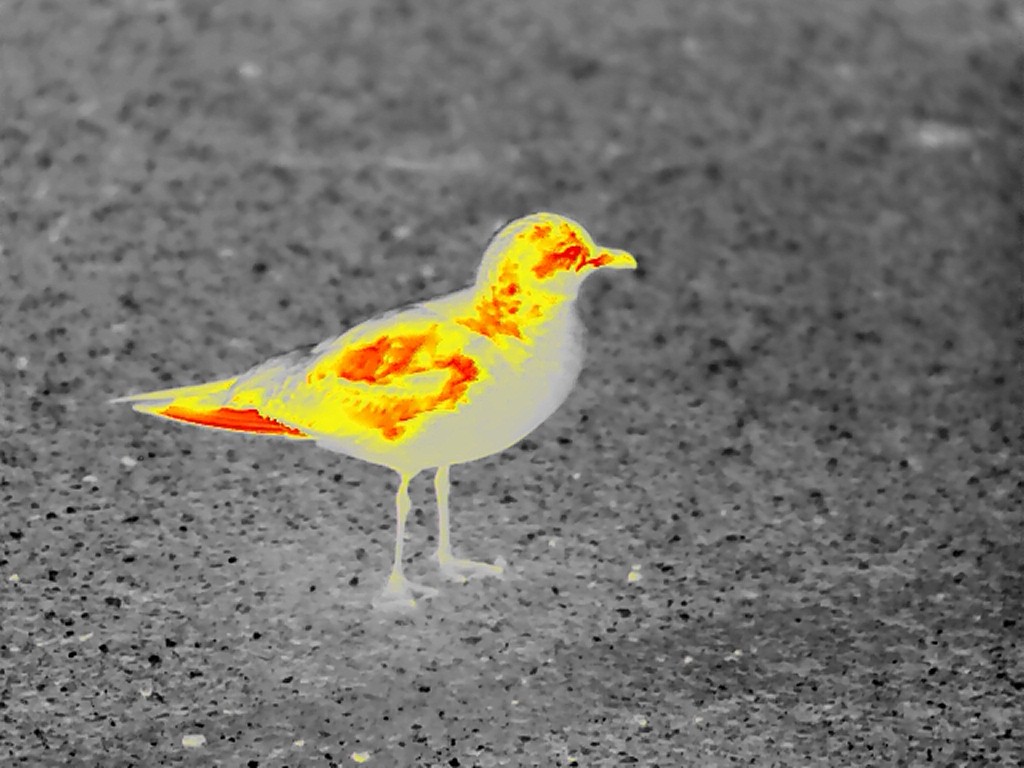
<point>800,423</point>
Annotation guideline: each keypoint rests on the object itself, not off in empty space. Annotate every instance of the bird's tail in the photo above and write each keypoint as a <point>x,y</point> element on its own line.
<point>208,405</point>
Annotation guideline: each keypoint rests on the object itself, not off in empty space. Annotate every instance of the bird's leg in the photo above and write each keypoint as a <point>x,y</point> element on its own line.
<point>454,567</point>
<point>399,592</point>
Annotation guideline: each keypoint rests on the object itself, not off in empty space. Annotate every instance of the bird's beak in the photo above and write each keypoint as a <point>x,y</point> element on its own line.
<point>616,259</point>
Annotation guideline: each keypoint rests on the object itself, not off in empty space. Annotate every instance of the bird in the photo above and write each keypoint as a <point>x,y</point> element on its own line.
<point>428,386</point>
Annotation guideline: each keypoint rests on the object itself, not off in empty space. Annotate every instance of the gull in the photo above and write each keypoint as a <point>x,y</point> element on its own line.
<point>439,383</point>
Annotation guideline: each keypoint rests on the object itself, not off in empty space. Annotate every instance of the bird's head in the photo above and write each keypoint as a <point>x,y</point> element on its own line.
<point>545,254</point>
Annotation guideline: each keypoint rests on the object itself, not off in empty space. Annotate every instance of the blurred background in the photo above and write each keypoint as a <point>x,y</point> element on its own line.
<point>777,523</point>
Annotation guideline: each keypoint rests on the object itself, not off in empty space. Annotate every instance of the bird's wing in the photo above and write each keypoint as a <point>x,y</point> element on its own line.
<point>376,382</point>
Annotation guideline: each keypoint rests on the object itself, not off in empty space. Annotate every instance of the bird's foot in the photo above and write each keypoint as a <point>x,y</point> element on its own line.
<point>460,570</point>
<point>400,594</point>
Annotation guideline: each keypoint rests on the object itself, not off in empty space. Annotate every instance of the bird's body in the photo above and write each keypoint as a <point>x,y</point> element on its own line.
<point>443,382</point>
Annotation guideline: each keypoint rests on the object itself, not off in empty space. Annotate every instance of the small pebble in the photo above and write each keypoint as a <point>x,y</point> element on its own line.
<point>935,135</point>
<point>250,70</point>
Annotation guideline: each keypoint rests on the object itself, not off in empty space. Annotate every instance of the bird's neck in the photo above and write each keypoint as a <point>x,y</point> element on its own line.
<point>502,309</point>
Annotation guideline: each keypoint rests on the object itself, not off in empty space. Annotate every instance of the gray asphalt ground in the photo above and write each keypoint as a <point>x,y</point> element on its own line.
<point>801,420</point>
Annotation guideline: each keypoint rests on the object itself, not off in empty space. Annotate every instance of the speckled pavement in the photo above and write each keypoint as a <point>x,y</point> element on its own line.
<point>799,427</point>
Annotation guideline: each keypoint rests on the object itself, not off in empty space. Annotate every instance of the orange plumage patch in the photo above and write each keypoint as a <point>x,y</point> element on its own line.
<point>567,253</point>
<point>391,356</point>
<point>387,356</point>
<point>557,261</point>
<point>575,257</point>
<point>494,315</point>
<point>462,370</point>
<point>388,412</point>
<point>496,310</point>
<point>540,231</point>
<point>235,419</point>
